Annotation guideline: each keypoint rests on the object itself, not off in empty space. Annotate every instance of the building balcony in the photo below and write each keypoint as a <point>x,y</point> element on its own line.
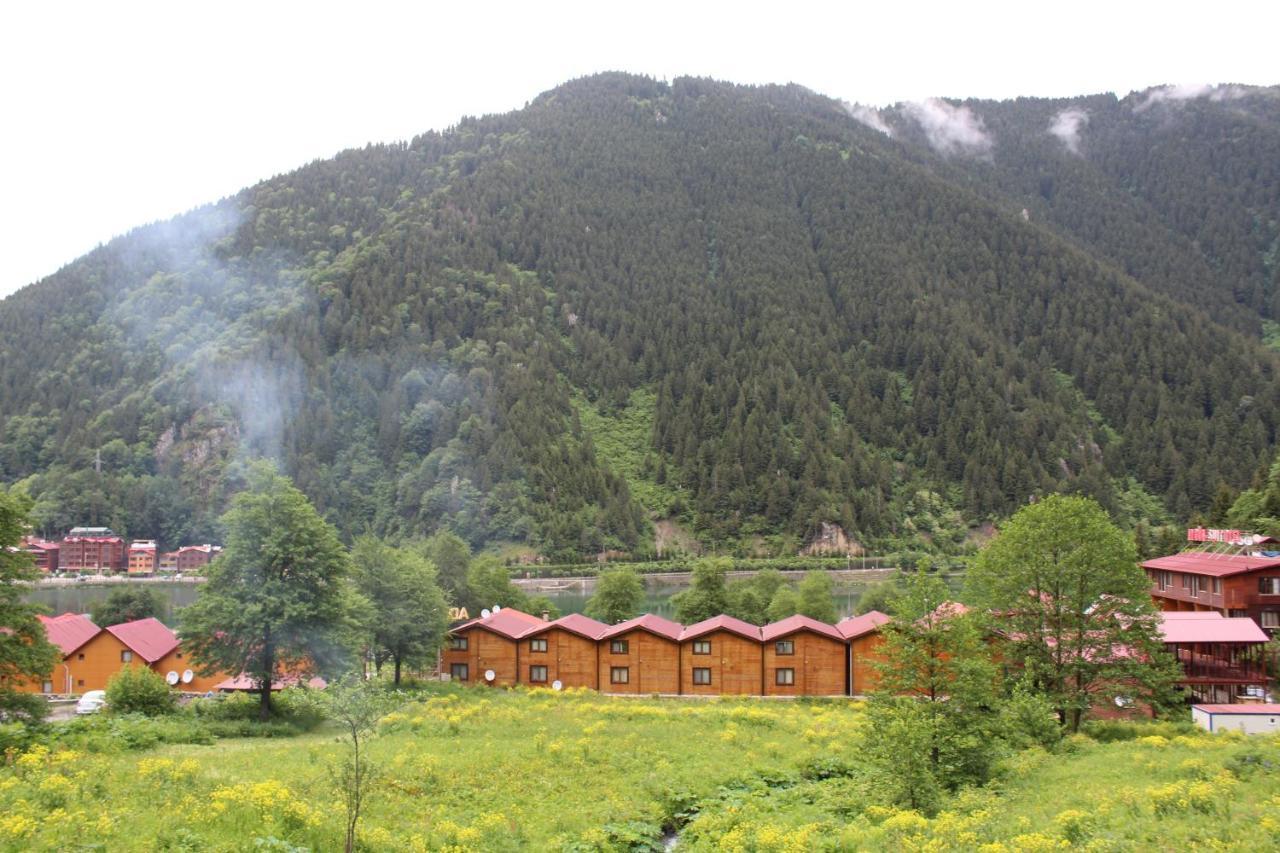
<point>1211,600</point>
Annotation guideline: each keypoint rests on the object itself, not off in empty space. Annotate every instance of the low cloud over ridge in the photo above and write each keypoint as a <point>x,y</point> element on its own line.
<point>950,129</point>
<point>1067,126</point>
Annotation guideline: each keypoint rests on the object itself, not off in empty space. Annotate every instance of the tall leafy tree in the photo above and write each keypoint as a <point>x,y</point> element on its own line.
<point>451,555</point>
<point>125,604</point>
<point>818,596</point>
<point>279,599</point>
<point>489,583</point>
<point>408,610</point>
<point>932,715</point>
<point>1074,607</point>
<point>706,596</point>
<point>25,651</point>
<point>785,602</point>
<point>619,596</point>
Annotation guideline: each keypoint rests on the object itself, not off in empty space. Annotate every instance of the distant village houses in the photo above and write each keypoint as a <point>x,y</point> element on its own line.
<point>98,551</point>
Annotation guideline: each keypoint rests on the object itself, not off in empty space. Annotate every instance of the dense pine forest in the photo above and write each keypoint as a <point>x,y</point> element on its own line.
<point>737,313</point>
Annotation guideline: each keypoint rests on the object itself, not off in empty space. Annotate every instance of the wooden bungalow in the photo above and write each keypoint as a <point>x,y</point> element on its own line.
<point>69,632</point>
<point>564,651</point>
<point>862,633</point>
<point>641,655</point>
<point>488,644</point>
<point>1222,659</point>
<point>721,656</point>
<point>804,657</point>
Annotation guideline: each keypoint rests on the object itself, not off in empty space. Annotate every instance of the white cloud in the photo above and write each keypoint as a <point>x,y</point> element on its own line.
<point>1180,92</point>
<point>950,129</point>
<point>869,116</point>
<point>1067,126</point>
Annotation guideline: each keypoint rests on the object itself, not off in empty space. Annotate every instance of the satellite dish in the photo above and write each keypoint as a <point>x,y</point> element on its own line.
<point>484,614</point>
<point>489,675</point>
<point>557,685</point>
<point>171,678</point>
<point>1123,701</point>
<point>496,608</point>
<point>187,675</point>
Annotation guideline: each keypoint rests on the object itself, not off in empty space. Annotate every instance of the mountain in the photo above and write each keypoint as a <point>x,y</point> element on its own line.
<point>749,311</point>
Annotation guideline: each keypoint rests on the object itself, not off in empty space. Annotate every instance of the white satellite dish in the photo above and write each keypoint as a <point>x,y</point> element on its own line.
<point>557,685</point>
<point>171,677</point>
<point>484,614</point>
<point>489,675</point>
<point>187,675</point>
<point>1123,701</point>
<point>496,608</point>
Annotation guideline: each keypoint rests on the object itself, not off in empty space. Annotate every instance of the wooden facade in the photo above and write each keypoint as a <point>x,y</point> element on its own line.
<point>863,636</point>
<point>178,661</point>
<point>92,665</point>
<point>804,657</point>
<point>1234,585</point>
<point>566,651</point>
<point>641,656</point>
<point>488,643</point>
<point>721,656</point>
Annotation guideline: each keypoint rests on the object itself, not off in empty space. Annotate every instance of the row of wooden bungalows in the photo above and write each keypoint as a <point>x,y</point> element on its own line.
<point>796,656</point>
<point>91,656</point>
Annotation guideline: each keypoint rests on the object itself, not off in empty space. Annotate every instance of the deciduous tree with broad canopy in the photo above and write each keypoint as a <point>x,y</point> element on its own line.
<point>1063,583</point>
<point>25,651</point>
<point>618,597</point>
<point>409,612</point>
<point>279,599</point>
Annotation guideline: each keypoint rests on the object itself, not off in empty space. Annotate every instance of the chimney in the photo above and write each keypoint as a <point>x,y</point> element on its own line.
<point>546,616</point>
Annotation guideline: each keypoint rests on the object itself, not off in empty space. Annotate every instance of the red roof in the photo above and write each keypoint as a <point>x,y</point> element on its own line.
<point>1192,614</point>
<point>655,625</point>
<point>721,623</point>
<point>150,638</point>
<point>244,682</point>
<point>69,631</point>
<point>1212,565</point>
<point>853,627</point>
<point>574,623</point>
<point>792,624</point>
<point>507,622</point>
<point>1236,630</point>
<point>1243,708</point>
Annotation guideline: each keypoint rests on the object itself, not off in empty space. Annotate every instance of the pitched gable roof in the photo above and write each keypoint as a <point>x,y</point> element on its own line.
<point>853,627</point>
<point>798,622</point>
<point>655,625</point>
<point>1234,630</point>
<point>574,623</point>
<point>149,638</point>
<point>69,631</point>
<point>1212,565</point>
<point>507,622</point>
<point>721,623</point>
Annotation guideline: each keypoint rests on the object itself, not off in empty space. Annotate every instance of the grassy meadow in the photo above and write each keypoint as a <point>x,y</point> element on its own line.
<point>487,770</point>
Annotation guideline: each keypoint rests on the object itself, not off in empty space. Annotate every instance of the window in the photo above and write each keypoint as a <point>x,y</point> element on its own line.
<point>1271,619</point>
<point>178,655</point>
<point>46,687</point>
<point>618,647</point>
<point>1269,586</point>
<point>126,656</point>
<point>538,674</point>
<point>458,644</point>
<point>80,682</point>
<point>1236,614</point>
<point>785,647</point>
<point>458,671</point>
<point>538,646</point>
<point>619,675</point>
<point>784,677</point>
<point>80,656</point>
<point>1217,586</point>
<point>1195,584</point>
<point>1164,579</point>
<point>702,647</point>
<point>701,675</point>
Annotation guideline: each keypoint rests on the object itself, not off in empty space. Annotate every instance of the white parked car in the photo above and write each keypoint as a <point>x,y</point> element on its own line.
<point>92,702</point>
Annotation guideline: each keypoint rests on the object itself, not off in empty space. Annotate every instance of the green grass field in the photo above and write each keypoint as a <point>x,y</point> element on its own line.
<point>536,770</point>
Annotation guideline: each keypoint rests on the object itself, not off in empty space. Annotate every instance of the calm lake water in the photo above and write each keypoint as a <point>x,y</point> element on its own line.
<point>82,598</point>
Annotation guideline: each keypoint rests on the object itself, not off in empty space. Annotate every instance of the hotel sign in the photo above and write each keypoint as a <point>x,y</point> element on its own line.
<point>1201,534</point>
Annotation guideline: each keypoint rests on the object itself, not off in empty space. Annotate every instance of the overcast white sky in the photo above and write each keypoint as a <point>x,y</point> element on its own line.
<point>118,114</point>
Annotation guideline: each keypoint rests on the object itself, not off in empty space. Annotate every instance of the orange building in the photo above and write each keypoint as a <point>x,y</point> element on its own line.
<point>721,656</point>
<point>804,657</point>
<point>142,557</point>
<point>863,635</point>
<point>69,633</point>
<point>641,655</point>
<point>488,645</point>
<point>564,651</point>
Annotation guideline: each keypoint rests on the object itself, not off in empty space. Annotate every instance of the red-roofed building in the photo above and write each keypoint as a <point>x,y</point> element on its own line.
<point>488,644</point>
<point>804,657</point>
<point>721,656</point>
<point>194,558</point>
<point>566,650</point>
<point>69,632</point>
<point>45,554</point>
<point>863,635</point>
<point>641,655</point>
<point>1232,584</point>
<point>149,639</point>
<point>1223,659</point>
<point>143,557</point>
<point>88,550</point>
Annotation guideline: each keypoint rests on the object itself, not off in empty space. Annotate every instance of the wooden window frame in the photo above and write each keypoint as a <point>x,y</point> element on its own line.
<point>455,668</point>
<point>784,647</point>
<point>697,670</point>
<point>1269,586</point>
<point>615,671</point>
<point>619,647</point>
<point>126,656</point>
<point>458,644</point>
<point>533,678</point>
<point>1273,622</point>
<point>702,647</point>
<point>790,674</point>
<point>538,646</point>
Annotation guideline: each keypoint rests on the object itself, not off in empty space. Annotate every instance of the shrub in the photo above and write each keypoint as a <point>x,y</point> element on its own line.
<point>1109,731</point>
<point>137,690</point>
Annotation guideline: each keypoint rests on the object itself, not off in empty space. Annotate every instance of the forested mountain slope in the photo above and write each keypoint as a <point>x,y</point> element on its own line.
<point>805,320</point>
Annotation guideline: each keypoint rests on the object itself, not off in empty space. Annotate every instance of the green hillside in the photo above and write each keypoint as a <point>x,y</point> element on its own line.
<point>735,306</point>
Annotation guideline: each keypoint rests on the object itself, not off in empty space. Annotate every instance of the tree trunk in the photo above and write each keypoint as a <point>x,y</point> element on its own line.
<point>268,670</point>
<point>397,682</point>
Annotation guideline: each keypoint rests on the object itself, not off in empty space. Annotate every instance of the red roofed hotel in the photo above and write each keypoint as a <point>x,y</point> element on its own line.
<point>804,657</point>
<point>641,655</point>
<point>488,644</point>
<point>1232,584</point>
<point>721,656</point>
<point>566,650</point>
